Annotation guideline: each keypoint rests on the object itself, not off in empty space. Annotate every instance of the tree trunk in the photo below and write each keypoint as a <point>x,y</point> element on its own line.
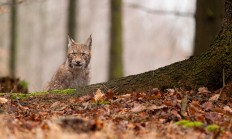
<point>13,17</point>
<point>71,20</point>
<point>115,63</point>
<point>203,70</point>
<point>209,15</point>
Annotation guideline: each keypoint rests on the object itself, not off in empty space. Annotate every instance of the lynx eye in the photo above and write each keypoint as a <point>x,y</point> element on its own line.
<point>83,54</point>
<point>73,53</point>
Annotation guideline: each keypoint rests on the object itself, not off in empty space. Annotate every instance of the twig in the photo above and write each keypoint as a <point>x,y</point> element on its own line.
<point>184,103</point>
<point>223,77</point>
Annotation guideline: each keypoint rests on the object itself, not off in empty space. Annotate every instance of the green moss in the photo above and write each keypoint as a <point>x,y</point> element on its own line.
<point>23,96</point>
<point>24,84</point>
<point>63,92</point>
<point>194,124</point>
<point>212,127</point>
<point>19,96</point>
<point>186,123</point>
<point>190,124</point>
<point>58,92</point>
<point>182,122</point>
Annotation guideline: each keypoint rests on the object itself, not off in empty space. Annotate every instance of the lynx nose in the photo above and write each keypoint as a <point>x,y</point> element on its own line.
<point>78,63</point>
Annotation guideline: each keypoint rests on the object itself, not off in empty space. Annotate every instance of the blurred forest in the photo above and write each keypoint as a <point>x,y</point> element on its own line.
<point>129,36</point>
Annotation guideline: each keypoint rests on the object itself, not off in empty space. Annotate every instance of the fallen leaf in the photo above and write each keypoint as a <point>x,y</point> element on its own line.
<point>203,90</point>
<point>126,95</point>
<point>138,108</point>
<point>99,96</point>
<point>154,107</point>
<point>214,97</point>
<point>3,100</point>
<point>171,90</point>
<point>85,98</point>
<point>218,110</point>
<point>55,104</point>
<point>131,126</point>
<point>228,109</point>
<point>212,116</point>
<point>207,105</point>
<point>86,105</point>
<point>167,103</point>
<point>109,94</point>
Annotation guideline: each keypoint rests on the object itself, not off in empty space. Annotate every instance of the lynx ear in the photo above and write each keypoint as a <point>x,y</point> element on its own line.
<point>70,41</point>
<point>88,42</point>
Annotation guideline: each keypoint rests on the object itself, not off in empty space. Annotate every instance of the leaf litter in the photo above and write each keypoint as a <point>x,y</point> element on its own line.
<point>151,114</point>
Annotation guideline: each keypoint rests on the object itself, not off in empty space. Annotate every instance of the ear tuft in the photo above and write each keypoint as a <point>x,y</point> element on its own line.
<point>70,41</point>
<point>88,42</point>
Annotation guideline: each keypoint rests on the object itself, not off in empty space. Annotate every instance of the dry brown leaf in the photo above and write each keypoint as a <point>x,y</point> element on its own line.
<point>3,100</point>
<point>228,109</point>
<point>109,94</point>
<point>214,97</point>
<point>194,108</point>
<point>138,108</point>
<point>131,126</point>
<point>167,103</point>
<point>218,110</point>
<point>86,105</point>
<point>154,107</point>
<point>55,104</point>
<point>200,117</point>
<point>203,90</point>
<point>156,94</point>
<point>175,112</point>
<point>85,98</point>
<point>207,105</point>
<point>213,116</point>
<point>99,96</point>
<point>171,90</point>
<point>126,95</point>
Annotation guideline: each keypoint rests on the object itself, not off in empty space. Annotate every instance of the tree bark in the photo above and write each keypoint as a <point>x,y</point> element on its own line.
<point>115,63</point>
<point>209,15</point>
<point>13,51</point>
<point>71,19</point>
<point>203,70</point>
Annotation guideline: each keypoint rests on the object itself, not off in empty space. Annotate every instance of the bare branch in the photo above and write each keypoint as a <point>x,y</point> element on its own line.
<point>152,11</point>
<point>10,3</point>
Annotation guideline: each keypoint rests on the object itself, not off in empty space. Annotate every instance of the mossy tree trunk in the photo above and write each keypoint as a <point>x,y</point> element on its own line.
<point>115,63</point>
<point>209,15</point>
<point>13,39</point>
<point>203,70</point>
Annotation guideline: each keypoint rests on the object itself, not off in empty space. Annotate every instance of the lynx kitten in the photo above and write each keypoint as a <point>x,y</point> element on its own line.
<point>75,71</point>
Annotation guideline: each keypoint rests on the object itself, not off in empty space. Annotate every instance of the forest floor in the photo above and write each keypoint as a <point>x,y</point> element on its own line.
<point>172,114</point>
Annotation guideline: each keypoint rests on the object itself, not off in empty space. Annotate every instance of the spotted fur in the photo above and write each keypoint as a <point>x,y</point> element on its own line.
<point>75,71</point>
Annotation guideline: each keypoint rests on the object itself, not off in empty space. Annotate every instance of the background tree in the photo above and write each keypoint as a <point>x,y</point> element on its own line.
<point>72,19</point>
<point>116,62</point>
<point>13,38</point>
<point>209,15</point>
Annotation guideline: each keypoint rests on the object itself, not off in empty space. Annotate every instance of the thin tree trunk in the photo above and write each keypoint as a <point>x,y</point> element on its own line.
<point>71,19</point>
<point>116,65</point>
<point>13,39</point>
<point>209,15</point>
<point>203,70</point>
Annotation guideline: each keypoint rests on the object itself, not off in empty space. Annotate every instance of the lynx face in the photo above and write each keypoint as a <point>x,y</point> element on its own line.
<point>79,55</point>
